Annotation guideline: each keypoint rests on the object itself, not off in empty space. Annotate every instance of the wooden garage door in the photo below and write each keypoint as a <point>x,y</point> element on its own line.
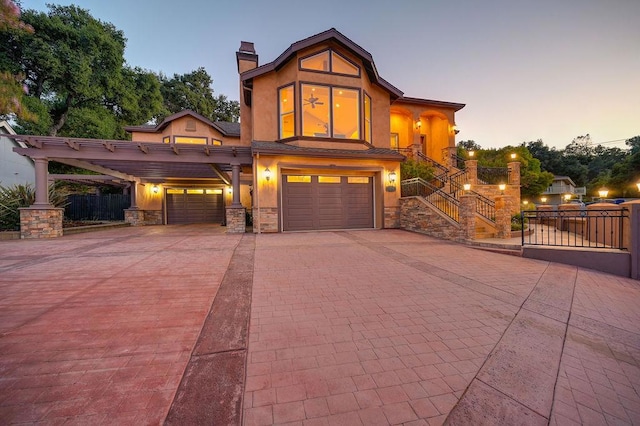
<point>194,206</point>
<point>326,202</point>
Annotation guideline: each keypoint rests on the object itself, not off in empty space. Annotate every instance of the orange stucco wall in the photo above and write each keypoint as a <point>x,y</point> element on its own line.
<point>178,127</point>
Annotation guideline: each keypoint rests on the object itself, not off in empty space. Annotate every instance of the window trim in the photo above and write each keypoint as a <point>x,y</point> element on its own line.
<point>295,121</point>
<point>331,133</point>
<point>331,51</point>
<point>364,117</point>
<point>206,139</point>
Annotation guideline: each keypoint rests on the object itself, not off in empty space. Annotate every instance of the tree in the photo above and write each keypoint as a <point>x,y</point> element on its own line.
<point>193,91</point>
<point>74,68</point>
<point>11,89</point>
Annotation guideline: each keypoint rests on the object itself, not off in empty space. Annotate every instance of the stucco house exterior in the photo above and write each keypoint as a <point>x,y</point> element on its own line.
<point>319,146</point>
<point>15,169</point>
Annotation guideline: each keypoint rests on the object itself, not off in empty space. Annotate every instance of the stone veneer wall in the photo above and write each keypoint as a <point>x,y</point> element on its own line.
<point>41,223</point>
<point>137,217</point>
<point>236,220</point>
<point>265,219</point>
<point>392,217</point>
<point>416,215</point>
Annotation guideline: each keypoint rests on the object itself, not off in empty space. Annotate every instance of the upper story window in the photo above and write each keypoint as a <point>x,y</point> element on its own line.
<point>193,140</point>
<point>330,112</point>
<point>287,111</point>
<point>330,61</point>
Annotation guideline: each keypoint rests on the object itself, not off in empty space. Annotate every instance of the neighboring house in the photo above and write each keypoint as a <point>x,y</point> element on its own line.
<point>560,188</point>
<point>319,146</point>
<point>14,168</point>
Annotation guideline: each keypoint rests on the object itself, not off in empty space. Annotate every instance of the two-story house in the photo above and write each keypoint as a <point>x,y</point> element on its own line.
<point>319,146</point>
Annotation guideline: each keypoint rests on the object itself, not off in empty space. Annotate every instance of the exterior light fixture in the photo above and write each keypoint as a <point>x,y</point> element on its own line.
<point>638,184</point>
<point>155,189</point>
<point>525,202</point>
<point>267,174</point>
<point>392,177</point>
<point>567,197</point>
<point>467,187</point>
<point>471,154</point>
<point>543,199</point>
<point>418,124</point>
<point>455,130</point>
<point>502,187</point>
<point>603,192</point>
<point>513,155</point>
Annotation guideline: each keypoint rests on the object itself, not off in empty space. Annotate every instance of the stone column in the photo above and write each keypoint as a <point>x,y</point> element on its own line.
<point>503,216</point>
<point>631,236</point>
<point>467,216</point>
<point>514,172</point>
<point>41,219</point>
<point>471,166</point>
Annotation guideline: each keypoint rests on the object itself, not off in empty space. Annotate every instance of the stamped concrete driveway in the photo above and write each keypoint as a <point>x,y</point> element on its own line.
<point>149,326</point>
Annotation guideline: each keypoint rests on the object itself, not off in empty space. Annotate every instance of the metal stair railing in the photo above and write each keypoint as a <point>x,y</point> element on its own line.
<point>493,175</point>
<point>484,206</point>
<point>439,199</point>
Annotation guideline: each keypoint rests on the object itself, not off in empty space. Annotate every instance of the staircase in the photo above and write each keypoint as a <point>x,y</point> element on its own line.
<point>443,193</point>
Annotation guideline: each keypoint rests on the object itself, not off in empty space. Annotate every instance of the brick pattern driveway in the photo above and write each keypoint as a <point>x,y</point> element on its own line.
<point>362,327</point>
<point>97,328</point>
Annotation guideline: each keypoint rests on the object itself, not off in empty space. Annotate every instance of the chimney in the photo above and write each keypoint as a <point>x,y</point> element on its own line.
<point>246,57</point>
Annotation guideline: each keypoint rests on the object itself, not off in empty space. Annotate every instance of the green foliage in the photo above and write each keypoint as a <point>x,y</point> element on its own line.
<point>74,71</point>
<point>410,169</point>
<point>193,91</point>
<point>16,196</point>
<point>516,222</point>
<point>594,166</point>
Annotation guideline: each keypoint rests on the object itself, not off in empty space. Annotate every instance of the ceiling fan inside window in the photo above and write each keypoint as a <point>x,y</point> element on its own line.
<point>313,101</point>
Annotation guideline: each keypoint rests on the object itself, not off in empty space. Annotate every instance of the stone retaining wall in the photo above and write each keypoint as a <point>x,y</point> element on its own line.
<point>265,219</point>
<point>417,216</point>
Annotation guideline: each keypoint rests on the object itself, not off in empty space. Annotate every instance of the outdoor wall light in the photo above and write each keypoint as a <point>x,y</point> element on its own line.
<point>467,187</point>
<point>155,189</point>
<point>603,192</point>
<point>543,199</point>
<point>392,177</point>
<point>418,124</point>
<point>230,190</point>
<point>502,187</point>
<point>455,130</point>
<point>267,174</point>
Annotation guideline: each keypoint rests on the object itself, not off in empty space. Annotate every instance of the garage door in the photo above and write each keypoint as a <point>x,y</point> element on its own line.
<point>327,202</point>
<point>194,206</point>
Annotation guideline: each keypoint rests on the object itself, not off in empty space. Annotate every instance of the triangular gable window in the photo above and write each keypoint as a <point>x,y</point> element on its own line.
<point>329,61</point>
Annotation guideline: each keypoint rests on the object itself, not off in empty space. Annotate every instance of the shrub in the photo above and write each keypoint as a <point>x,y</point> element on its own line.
<point>410,169</point>
<point>16,196</point>
<point>516,222</point>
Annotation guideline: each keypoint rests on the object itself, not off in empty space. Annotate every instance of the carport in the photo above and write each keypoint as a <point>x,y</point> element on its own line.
<point>141,164</point>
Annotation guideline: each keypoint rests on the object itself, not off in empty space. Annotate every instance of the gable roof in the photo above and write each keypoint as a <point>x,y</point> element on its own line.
<point>329,35</point>
<point>7,131</point>
<point>224,127</point>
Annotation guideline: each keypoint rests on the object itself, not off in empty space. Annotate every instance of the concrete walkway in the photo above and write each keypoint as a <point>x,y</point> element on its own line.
<point>155,324</point>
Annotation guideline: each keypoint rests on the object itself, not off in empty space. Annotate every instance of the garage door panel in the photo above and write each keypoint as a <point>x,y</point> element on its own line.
<point>327,202</point>
<point>194,207</point>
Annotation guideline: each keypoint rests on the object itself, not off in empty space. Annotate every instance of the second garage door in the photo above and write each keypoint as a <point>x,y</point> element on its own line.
<point>194,206</point>
<point>326,202</point>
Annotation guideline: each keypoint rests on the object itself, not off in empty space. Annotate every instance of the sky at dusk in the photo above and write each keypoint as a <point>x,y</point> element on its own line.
<point>526,70</point>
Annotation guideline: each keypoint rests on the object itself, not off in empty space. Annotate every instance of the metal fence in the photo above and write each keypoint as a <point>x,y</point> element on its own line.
<point>589,228</point>
<point>96,207</point>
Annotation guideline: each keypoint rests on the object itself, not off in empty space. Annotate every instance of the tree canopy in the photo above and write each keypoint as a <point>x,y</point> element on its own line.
<point>79,85</point>
<point>587,164</point>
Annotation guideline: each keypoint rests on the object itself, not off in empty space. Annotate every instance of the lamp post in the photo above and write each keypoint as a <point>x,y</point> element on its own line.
<point>543,200</point>
<point>603,192</point>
